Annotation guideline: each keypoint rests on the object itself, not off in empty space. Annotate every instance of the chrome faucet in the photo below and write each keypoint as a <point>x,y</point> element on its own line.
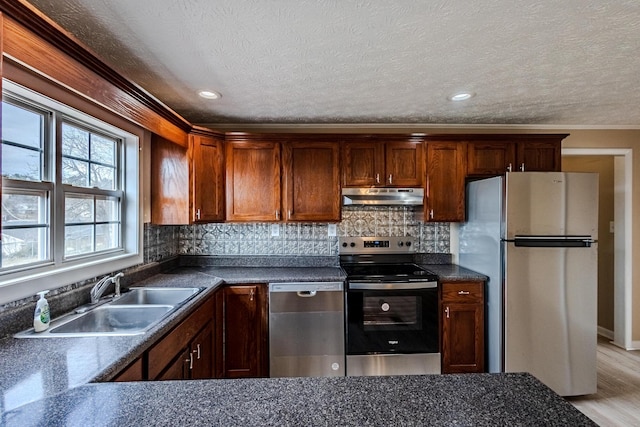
<point>101,286</point>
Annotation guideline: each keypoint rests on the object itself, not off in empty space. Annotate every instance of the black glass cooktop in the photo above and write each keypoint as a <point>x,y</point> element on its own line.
<point>395,272</point>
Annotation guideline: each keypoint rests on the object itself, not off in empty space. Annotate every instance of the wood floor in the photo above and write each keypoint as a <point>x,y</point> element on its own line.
<point>617,402</point>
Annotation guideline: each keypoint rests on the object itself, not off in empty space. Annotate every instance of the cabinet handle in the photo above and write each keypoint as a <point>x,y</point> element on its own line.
<point>390,179</point>
<point>197,351</point>
<point>197,213</point>
<point>251,294</point>
<point>463,293</point>
<point>277,215</point>
<point>446,310</point>
<point>377,178</point>
<point>509,167</point>
<point>289,214</point>
<point>190,360</point>
<point>430,213</point>
<point>522,167</point>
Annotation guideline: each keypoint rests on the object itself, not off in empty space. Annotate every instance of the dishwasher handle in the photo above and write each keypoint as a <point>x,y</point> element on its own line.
<point>304,288</point>
<point>306,294</point>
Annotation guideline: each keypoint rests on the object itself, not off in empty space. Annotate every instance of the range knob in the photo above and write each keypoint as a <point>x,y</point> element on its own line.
<point>401,243</point>
<point>344,244</point>
<point>353,245</point>
<point>408,244</point>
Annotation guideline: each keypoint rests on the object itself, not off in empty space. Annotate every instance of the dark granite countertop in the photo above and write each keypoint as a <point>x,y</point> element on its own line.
<point>436,400</point>
<point>33,369</point>
<point>454,273</point>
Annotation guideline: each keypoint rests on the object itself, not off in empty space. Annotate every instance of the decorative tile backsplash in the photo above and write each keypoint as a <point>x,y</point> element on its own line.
<point>162,242</point>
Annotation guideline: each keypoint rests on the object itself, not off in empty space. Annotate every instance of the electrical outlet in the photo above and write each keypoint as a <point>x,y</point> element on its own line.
<point>275,230</point>
<point>332,230</point>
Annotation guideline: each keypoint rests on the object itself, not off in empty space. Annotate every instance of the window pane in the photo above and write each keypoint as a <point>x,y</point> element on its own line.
<point>22,126</point>
<point>75,142</point>
<point>78,239</point>
<point>74,172</point>
<point>103,177</point>
<point>24,246</point>
<point>107,210</point>
<point>103,150</point>
<point>23,209</point>
<point>107,236</point>
<point>78,209</point>
<point>21,163</point>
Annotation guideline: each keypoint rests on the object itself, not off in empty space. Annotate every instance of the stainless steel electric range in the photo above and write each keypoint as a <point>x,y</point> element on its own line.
<point>391,308</point>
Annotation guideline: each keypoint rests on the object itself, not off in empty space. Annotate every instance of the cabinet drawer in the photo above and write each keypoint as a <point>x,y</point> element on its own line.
<point>463,292</point>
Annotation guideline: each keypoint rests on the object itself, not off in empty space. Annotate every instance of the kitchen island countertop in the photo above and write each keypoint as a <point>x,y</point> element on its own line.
<point>468,399</point>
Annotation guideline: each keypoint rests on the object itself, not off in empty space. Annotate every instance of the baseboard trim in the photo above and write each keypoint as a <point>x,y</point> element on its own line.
<point>607,333</point>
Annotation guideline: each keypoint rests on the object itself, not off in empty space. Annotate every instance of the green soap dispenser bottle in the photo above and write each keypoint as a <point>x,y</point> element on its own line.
<point>41,317</point>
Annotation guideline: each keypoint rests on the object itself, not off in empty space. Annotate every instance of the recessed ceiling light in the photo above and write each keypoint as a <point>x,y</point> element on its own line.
<point>461,96</point>
<point>209,94</point>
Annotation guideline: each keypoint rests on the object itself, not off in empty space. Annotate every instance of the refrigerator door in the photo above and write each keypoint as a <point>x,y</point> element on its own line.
<point>551,204</point>
<point>551,316</point>
<point>481,251</point>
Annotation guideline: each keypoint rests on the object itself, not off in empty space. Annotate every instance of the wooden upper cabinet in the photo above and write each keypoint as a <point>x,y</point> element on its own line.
<point>404,164</point>
<point>490,155</point>
<point>489,158</point>
<point>534,156</point>
<point>252,180</point>
<point>445,189</point>
<point>207,178</point>
<point>363,164</point>
<point>169,182</point>
<point>383,162</point>
<point>311,172</point>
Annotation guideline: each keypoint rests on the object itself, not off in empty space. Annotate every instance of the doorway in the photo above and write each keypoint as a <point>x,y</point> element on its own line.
<point>614,278</point>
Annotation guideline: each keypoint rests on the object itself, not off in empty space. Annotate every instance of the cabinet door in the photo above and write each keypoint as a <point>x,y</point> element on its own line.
<point>404,162</point>
<point>462,338</point>
<point>241,335</point>
<point>178,369</point>
<point>208,179</point>
<point>444,199</point>
<point>363,164</point>
<point>253,181</point>
<point>202,354</point>
<point>539,156</point>
<point>311,181</point>
<point>463,327</point>
<point>133,372</point>
<point>169,182</point>
<point>490,158</point>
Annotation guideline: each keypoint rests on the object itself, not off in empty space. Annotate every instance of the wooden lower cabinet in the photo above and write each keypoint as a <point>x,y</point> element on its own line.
<point>241,331</point>
<point>133,372</point>
<point>463,327</point>
<point>187,351</point>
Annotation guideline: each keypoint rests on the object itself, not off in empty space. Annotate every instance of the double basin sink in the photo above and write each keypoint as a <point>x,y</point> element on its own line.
<point>133,313</point>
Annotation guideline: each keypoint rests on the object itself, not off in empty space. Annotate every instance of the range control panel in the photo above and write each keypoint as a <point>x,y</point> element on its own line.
<point>377,245</point>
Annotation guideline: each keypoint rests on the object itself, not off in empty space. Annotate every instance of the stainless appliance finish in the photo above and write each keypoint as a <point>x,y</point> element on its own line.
<point>392,308</point>
<point>382,196</point>
<point>306,329</point>
<point>534,234</point>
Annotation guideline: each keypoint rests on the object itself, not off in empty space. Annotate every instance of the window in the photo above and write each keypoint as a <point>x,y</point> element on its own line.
<point>70,190</point>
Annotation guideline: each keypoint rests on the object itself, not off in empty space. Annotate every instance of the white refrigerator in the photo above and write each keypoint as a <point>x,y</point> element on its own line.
<point>534,234</point>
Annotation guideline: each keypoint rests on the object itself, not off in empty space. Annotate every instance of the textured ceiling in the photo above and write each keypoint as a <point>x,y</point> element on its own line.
<point>571,62</point>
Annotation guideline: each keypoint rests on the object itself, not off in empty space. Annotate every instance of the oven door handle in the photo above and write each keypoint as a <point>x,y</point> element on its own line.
<point>392,286</point>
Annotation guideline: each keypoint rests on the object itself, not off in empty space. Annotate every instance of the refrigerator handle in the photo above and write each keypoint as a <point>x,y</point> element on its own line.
<point>553,241</point>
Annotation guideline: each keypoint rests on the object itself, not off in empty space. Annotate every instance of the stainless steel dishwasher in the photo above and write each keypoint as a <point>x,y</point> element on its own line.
<point>306,329</point>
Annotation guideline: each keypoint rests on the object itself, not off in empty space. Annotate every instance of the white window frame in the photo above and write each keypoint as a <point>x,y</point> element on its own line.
<point>19,284</point>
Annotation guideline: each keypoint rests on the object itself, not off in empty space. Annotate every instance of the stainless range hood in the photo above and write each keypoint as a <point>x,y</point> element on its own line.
<point>382,196</point>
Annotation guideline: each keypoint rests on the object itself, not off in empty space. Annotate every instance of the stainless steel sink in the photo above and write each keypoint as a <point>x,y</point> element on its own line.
<point>145,296</point>
<point>133,313</point>
<point>113,320</point>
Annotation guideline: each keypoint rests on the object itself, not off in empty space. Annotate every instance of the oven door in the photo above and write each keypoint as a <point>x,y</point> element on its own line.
<point>392,318</point>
